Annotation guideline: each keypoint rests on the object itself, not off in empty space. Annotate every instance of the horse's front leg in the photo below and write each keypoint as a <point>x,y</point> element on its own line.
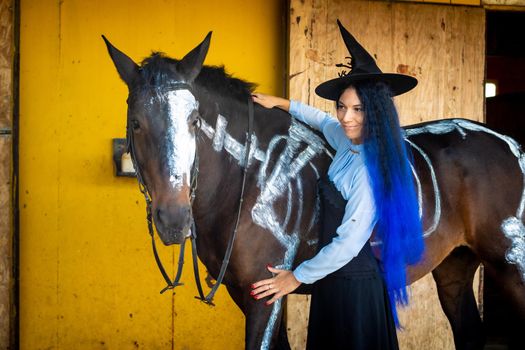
<point>265,328</point>
<point>264,325</point>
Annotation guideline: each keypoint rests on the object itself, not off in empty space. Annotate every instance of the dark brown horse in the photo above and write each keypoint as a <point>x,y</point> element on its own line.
<point>470,180</point>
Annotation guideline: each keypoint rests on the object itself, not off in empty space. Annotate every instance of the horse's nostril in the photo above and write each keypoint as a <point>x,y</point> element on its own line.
<point>174,218</point>
<point>160,215</point>
<point>162,223</point>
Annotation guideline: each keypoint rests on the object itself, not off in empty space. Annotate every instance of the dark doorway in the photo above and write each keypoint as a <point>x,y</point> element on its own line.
<point>505,113</point>
<point>506,68</point>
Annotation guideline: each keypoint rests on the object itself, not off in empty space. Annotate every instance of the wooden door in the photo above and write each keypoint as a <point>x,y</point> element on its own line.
<point>443,47</point>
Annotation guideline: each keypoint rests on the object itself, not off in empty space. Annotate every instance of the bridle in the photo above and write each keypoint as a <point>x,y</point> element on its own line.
<point>170,284</point>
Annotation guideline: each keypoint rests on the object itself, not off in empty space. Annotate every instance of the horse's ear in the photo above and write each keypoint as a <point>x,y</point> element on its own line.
<point>191,64</point>
<point>127,69</point>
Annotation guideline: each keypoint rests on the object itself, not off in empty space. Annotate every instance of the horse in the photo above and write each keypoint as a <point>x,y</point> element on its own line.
<point>470,183</point>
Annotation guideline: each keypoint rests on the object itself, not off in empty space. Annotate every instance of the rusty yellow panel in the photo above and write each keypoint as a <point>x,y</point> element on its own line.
<point>38,169</point>
<point>88,279</point>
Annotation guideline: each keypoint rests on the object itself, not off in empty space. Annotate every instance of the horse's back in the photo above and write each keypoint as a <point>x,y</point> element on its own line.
<point>472,179</point>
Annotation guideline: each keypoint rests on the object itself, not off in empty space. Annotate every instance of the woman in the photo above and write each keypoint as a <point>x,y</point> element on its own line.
<point>369,188</point>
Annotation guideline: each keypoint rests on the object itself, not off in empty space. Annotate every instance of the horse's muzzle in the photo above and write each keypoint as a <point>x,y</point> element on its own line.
<point>173,224</point>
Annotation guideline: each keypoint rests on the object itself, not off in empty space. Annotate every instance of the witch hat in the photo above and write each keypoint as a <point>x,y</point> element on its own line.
<point>363,67</point>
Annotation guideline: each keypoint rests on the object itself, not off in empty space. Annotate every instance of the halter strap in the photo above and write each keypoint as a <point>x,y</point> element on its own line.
<point>169,283</point>
<point>208,299</point>
<point>142,186</point>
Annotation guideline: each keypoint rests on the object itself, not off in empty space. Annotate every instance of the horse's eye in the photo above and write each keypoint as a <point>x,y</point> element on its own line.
<point>135,124</point>
<point>195,119</point>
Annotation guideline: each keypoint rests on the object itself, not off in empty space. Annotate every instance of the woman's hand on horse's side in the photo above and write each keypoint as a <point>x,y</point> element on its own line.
<point>269,101</point>
<point>283,282</point>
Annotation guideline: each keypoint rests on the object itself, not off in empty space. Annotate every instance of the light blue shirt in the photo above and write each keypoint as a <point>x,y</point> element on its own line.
<point>348,173</point>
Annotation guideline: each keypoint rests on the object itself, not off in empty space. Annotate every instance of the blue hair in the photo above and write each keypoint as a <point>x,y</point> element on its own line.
<point>387,159</point>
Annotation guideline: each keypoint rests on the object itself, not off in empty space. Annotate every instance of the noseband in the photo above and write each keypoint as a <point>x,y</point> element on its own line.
<point>208,299</point>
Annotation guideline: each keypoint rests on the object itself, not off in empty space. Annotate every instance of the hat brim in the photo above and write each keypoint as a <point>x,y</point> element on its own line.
<point>398,83</point>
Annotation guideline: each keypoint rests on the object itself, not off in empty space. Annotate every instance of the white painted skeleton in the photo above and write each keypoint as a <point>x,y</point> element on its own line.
<point>289,164</point>
<point>275,185</point>
<point>511,227</point>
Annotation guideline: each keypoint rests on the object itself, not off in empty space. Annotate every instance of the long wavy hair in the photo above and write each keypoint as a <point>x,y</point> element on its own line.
<point>388,159</point>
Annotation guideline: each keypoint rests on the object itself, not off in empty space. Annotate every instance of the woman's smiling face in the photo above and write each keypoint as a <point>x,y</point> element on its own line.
<point>351,115</point>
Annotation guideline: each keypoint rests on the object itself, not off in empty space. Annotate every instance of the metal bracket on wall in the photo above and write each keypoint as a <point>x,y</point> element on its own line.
<point>122,159</point>
<point>6,131</point>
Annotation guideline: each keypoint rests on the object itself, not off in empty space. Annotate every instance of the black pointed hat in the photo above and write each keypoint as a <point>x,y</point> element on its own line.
<point>363,67</point>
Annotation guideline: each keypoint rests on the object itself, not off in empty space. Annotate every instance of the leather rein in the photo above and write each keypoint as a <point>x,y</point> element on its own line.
<point>170,284</point>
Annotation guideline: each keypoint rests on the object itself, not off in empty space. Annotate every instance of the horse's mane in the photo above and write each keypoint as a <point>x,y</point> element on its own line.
<point>158,69</point>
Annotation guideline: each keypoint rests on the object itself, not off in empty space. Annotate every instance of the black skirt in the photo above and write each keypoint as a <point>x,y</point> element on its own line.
<point>350,308</point>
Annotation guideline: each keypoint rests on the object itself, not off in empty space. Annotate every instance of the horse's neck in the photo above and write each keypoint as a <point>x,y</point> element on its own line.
<point>226,124</point>
<point>275,135</point>
<point>286,158</point>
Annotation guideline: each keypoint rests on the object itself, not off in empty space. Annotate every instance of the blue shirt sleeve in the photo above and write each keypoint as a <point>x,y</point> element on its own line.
<point>355,229</point>
<point>319,120</point>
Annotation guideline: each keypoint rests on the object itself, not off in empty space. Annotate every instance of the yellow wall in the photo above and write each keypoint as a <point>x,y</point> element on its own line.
<point>88,279</point>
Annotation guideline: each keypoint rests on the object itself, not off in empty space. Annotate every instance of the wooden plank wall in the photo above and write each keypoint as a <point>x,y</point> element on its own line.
<point>443,47</point>
<point>451,2</point>
<point>509,3</point>
<point>6,108</point>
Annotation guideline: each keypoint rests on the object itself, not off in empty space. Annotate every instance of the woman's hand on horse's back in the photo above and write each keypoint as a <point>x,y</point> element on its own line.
<point>283,282</point>
<point>269,101</point>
